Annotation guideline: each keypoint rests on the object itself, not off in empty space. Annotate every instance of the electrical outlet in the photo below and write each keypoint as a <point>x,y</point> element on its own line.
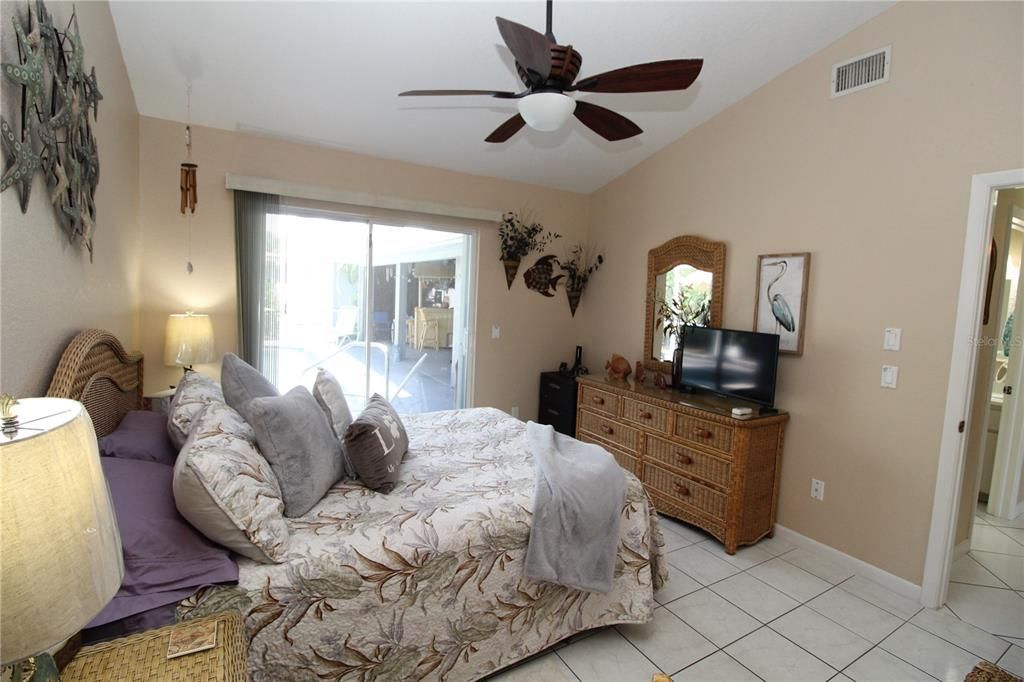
<point>515,411</point>
<point>818,489</point>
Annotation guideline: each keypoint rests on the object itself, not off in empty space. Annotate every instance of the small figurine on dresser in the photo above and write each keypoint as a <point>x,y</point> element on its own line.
<point>618,367</point>
<point>659,380</point>
<point>640,374</point>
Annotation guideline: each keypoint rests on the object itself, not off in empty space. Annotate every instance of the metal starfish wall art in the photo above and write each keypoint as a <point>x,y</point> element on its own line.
<point>55,135</point>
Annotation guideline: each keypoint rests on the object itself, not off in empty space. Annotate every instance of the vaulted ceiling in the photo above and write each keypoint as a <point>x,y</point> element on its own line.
<point>328,73</point>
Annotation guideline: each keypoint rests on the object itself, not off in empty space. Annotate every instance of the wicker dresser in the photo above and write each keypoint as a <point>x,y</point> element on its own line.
<point>698,463</point>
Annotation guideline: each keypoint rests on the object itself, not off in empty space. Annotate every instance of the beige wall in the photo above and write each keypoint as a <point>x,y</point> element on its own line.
<point>48,288</point>
<point>978,468</point>
<point>875,185</point>
<point>536,332</point>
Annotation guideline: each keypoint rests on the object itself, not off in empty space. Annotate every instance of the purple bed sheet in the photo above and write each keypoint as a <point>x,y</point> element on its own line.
<point>165,559</point>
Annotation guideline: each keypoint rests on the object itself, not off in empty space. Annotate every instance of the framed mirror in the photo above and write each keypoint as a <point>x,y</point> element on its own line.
<point>686,266</point>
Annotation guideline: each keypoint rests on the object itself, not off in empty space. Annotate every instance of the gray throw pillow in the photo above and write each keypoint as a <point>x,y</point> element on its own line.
<point>296,438</point>
<point>375,444</point>
<point>329,395</point>
<point>241,382</point>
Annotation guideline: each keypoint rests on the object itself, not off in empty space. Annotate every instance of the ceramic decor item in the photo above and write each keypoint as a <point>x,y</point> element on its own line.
<point>618,367</point>
<point>641,373</point>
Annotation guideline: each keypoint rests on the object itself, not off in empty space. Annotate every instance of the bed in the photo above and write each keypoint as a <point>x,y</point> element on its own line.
<point>423,583</point>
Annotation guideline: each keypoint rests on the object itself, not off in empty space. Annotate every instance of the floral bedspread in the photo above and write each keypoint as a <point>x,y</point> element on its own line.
<point>426,582</point>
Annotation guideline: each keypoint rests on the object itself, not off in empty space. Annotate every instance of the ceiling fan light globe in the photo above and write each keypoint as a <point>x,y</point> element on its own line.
<point>546,111</point>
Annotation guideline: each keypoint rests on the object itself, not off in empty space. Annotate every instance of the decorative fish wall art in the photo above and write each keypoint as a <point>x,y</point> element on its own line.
<point>539,277</point>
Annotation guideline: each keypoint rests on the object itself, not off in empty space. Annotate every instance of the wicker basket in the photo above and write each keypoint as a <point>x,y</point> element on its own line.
<point>143,657</point>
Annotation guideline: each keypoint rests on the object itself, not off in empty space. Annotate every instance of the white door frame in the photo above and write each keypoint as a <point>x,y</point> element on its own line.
<point>1006,471</point>
<point>963,364</point>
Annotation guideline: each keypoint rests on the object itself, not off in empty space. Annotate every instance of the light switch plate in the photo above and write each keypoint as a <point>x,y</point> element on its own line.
<point>890,376</point>
<point>893,338</point>
<point>495,331</point>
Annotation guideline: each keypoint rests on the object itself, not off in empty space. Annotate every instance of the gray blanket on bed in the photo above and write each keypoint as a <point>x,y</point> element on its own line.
<point>575,534</point>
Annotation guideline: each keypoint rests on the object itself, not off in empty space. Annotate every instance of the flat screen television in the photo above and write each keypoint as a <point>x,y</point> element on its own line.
<point>732,363</point>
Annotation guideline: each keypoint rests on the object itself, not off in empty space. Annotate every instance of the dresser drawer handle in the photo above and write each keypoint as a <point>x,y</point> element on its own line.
<point>702,433</point>
<point>597,401</point>
<point>607,429</point>
<point>554,412</point>
<point>646,415</point>
<point>684,459</point>
<point>682,489</point>
<point>557,387</point>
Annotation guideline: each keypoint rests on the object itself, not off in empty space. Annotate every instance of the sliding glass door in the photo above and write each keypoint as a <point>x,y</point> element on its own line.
<point>385,308</point>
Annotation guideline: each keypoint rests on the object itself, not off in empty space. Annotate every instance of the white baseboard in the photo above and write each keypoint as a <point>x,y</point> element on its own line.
<point>962,549</point>
<point>873,573</point>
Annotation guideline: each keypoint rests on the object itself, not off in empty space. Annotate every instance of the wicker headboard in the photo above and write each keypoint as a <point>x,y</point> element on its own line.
<point>97,371</point>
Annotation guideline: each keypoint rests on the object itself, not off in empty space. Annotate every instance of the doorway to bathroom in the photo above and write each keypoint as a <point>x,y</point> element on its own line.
<point>987,568</point>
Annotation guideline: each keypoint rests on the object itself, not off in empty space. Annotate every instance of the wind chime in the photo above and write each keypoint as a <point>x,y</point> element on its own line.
<point>189,196</point>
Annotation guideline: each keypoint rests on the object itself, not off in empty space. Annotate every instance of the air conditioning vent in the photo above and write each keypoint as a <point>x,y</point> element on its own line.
<point>861,72</point>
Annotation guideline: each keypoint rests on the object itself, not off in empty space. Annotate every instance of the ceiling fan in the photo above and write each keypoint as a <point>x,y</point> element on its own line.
<point>549,70</point>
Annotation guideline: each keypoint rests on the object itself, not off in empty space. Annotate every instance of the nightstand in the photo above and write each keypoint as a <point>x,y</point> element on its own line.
<point>557,403</point>
<point>143,656</point>
<point>159,401</point>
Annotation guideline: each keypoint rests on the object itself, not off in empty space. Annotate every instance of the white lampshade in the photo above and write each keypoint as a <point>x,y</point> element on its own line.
<point>189,339</point>
<point>546,111</point>
<point>60,552</point>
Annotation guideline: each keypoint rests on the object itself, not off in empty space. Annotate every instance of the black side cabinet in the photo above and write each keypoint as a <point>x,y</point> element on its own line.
<point>557,405</point>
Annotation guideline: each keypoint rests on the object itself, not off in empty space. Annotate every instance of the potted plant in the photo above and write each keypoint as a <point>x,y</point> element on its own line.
<point>519,238</point>
<point>689,308</point>
<point>578,266</point>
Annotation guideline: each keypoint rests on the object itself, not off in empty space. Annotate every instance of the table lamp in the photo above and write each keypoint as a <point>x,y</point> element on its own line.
<point>189,340</point>
<point>60,552</point>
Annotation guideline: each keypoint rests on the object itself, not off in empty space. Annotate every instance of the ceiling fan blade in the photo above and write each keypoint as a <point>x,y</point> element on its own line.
<point>530,48</point>
<point>506,129</point>
<point>672,74</point>
<point>605,122</point>
<point>436,93</point>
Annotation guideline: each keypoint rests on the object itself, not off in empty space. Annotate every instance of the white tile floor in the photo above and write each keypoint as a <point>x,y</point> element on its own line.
<point>777,612</point>
<point>983,583</point>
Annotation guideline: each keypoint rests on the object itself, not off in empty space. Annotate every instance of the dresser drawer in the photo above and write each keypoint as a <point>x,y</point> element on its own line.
<point>650,417</point>
<point>703,432</point>
<point>692,462</point>
<point>609,430</point>
<point>685,491</point>
<point>625,460</point>
<point>599,401</point>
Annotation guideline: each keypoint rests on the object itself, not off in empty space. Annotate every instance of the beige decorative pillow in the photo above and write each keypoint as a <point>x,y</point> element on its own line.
<point>226,489</point>
<point>375,444</point>
<point>195,391</point>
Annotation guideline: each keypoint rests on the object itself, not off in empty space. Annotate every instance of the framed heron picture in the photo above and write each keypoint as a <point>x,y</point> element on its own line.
<point>781,303</point>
